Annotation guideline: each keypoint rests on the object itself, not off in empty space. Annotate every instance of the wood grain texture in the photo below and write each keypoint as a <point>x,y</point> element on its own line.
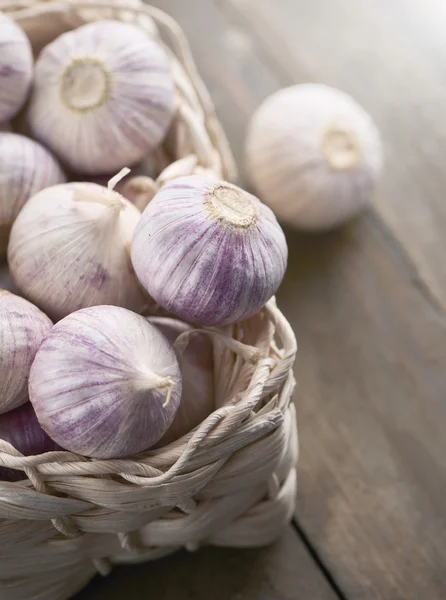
<point>366,301</point>
<point>385,54</point>
<point>371,406</point>
<point>282,572</point>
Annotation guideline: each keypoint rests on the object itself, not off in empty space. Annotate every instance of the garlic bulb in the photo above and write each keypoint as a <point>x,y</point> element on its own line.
<point>103,96</point>
<point>313,155</point>
<point>21,429</point>
<point>197,368</point>
<point>26,167</point>
<point>22,327</point>
<point>69,248</point>
<point>105,383</point>
<point>139,190</point>
<point>16,67</point>
<point>208,251</point>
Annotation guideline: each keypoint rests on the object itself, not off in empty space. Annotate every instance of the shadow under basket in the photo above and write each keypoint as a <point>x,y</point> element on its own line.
<point>229,482</point>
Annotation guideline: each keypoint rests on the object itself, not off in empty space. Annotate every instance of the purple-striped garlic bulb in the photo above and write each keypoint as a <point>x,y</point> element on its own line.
<point>26,167</point>
<point>22,328</point>
<point>313,155</point>
<point>69,248</point>
<point>197,368</point>
<point>103,96</point>
<point>105,383</point>
<point>16,67</point>
<point>208,251</point>
<point>21,429</point>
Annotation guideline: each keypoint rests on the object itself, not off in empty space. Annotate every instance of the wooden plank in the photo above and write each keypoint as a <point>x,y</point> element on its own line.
<point>281,572</point>
<point>372,411</point>
<point>361,47</point>
<point>371,395</point>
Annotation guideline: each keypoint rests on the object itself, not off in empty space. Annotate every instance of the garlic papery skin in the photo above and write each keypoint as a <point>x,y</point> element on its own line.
<point>103,96</point>
<point>22,328</point>
<point>208,251</point>
<point>69,248</point>
<point>313,155</point>
<point>26,167</point>
<point>16,67</point>
<point>105,383</point>
<point>197,369</point>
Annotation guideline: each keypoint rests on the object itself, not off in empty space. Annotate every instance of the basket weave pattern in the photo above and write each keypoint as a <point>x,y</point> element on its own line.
<point>229,482</point>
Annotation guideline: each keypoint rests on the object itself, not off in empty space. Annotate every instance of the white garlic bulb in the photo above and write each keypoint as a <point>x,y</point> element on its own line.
<point>139,190</point>
<point>26,167</point>
<point>69,248</point>
<point>208,251</point>
<point>313,155</point>
<point>103,96</point>
<point>105,383</point>
<point>16,67</point>
<point>22,328</point>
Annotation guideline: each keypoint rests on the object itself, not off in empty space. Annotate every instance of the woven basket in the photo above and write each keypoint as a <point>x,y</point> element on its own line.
<point>229,482</point>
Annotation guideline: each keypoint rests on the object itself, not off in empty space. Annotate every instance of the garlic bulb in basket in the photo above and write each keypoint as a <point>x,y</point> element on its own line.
<point>103,96</point>
<point>69,248</point>
<point>208,251</point>
<point>26,167</point>
<point>197,368</point>
<point>139,190</point>
<point>22,327</point>
<point>313,155</point>
<point>21,429</point>
<point>105,383</point>
<point>16,67</point>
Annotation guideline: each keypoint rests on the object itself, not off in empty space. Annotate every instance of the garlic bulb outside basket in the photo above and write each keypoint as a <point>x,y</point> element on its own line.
<point>313,155</point>
<point>69,248</point>
<point>208,251</point>
<point>22,328</point>
<point>103,96</point>
<point>16,67</point>
<point>197,369</point>
<point>26,167</point>
<point>105,383</point>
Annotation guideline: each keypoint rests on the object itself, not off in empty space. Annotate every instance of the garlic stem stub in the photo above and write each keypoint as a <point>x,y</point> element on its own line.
<point>197,369</point>
<point>103,96</point>
<point>105,383</point>
<point>22,328</point>
<point>69,248</point>
<point>16,67</point>
<point>26,167</point>
<point>21,429</point>
<point>208,251</point>
<point>314,156</point>
<point>138,189</point>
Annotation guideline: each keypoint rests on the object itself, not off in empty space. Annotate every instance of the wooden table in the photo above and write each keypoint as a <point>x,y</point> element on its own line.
<point>368,304</point>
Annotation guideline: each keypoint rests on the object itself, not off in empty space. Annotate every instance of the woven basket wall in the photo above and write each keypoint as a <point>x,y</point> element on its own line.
<point>229,482</point>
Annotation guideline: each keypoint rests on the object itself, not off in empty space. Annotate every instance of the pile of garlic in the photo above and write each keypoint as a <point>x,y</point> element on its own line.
<point>85,364</point>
